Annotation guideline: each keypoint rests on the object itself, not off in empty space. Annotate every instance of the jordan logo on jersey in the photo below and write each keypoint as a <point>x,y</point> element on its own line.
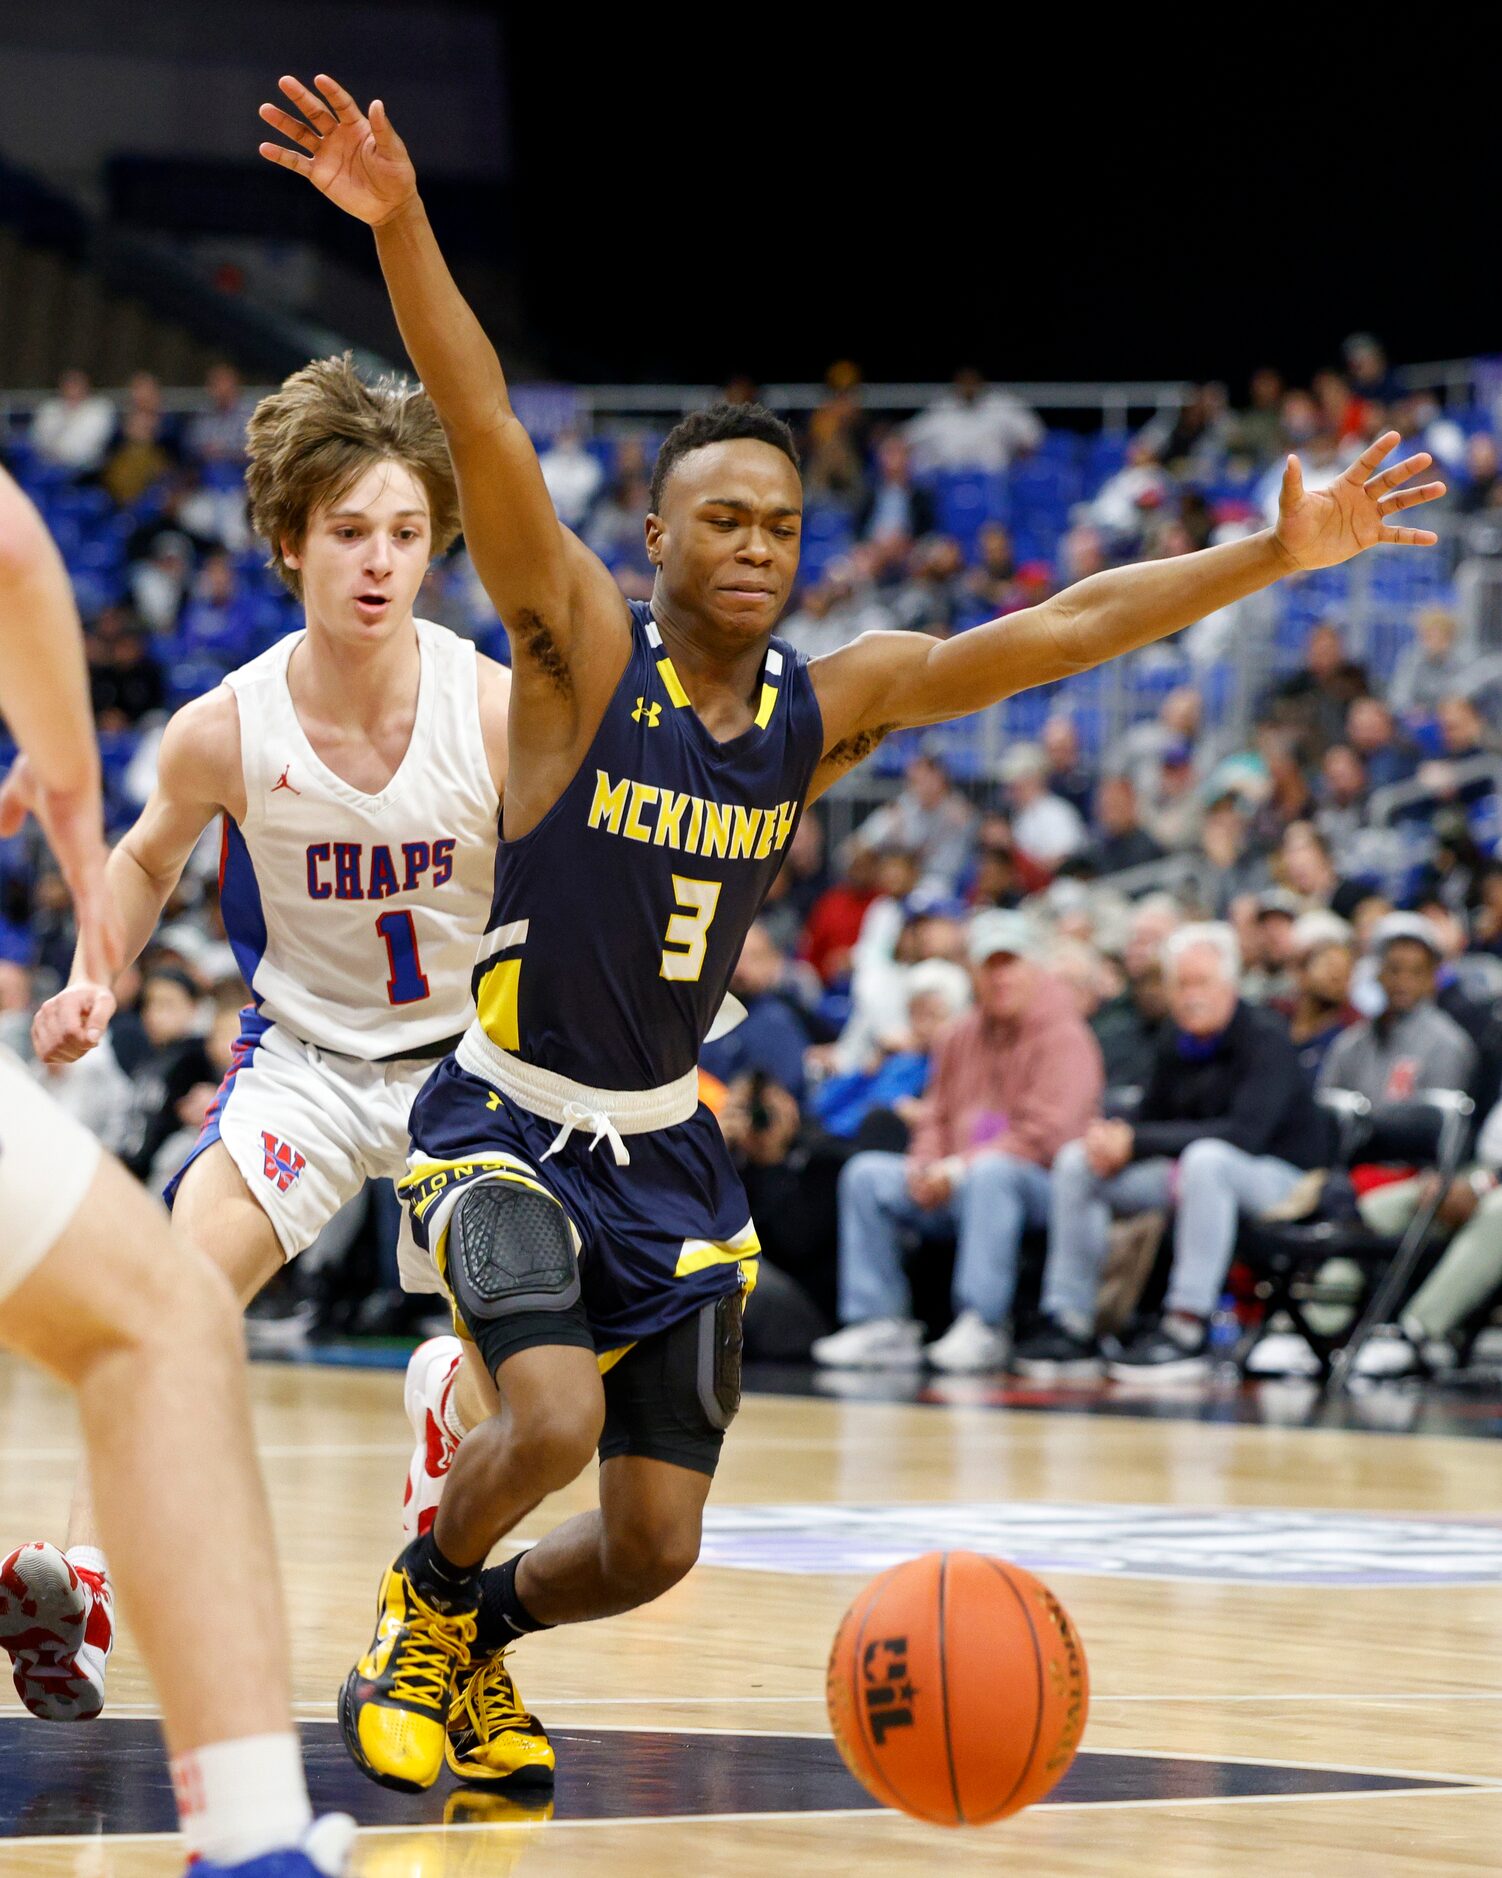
<point>282,783</point>
<point>283,1162</point>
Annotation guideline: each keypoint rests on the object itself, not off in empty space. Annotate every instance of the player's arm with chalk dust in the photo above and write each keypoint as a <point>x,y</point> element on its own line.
<point>198,776</point>
<point>890,681</point>
<point>44,693</point>
<point>567,622</point>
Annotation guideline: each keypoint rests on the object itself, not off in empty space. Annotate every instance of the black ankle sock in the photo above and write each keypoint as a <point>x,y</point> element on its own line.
<point>503,1616</point>
<point>448,1587</point>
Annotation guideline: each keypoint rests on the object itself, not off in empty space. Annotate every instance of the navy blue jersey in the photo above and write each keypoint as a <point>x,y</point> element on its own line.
<point>618,920</point>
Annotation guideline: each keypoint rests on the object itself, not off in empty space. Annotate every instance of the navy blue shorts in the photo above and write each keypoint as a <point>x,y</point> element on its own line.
<point>657,1240</point>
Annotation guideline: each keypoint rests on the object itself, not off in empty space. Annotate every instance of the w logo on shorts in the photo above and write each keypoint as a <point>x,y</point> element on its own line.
<point>283,1162</point>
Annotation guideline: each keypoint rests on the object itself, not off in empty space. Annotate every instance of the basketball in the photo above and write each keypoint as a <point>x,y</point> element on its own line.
<point>957,1689</point>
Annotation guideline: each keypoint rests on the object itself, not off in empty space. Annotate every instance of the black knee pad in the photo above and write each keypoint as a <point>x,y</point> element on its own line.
<point>510,1249</point>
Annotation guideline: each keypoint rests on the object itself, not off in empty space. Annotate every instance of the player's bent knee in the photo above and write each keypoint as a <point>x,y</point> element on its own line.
<point>647,1558</point>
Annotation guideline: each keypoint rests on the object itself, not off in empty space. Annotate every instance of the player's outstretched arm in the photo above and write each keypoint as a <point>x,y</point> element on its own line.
<point>198,775</point>
<point>887,681</point>
<point>549,590</point>
<point>44,693</point>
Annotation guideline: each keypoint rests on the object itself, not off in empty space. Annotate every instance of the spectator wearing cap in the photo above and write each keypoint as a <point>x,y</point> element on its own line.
<point>1319,1008</point>
<point>1267,972</point>
<point>1012,1082</point>
<point>772,1036</point>
<point>1120,839</point>
<point>1226,1125</point>
<point>1412,1045</point>
<point>1174,811</point>
<point>1240,872</point>
<point>1433,668</point>
<point>931,818</point>
<point>1046,828</point>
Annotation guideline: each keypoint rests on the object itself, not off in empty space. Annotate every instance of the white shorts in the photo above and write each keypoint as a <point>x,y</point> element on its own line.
<point>46,1163</point>
<point>307,1128</point>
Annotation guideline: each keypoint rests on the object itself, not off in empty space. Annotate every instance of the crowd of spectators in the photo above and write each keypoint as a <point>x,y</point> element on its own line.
<point>949,1005</point>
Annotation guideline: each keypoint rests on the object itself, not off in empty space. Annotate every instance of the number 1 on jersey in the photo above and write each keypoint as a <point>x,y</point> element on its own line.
<point>687,936</point>
<point>407,983</point>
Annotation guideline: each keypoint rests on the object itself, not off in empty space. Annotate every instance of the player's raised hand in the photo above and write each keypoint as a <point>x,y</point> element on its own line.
<point>1323,527</point>
<point>358,162</point>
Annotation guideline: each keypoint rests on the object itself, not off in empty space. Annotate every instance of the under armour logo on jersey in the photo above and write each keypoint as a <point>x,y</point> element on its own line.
<point>649,712</point>
<point>282,783</point>
<point>283,1162</point>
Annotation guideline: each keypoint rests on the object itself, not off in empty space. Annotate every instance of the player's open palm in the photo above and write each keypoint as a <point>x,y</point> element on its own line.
<point>1323,527</point>
<point>358,162</point>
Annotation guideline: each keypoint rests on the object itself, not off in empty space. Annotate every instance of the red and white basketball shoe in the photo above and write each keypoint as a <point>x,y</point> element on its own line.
<point>429,1396</point>
<point>57,1623</point>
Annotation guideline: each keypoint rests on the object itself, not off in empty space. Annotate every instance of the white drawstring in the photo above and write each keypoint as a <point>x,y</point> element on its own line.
<point>577,1115</point>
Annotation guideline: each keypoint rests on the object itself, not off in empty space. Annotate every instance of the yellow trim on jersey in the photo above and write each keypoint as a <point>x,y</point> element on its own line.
<point>698,1254</point>
<point>496,1005</point>
<point>768,704</point>
<point>672,681</point>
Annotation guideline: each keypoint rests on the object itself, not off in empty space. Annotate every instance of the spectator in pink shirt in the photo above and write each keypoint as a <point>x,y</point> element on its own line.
<point>1012,1082</point>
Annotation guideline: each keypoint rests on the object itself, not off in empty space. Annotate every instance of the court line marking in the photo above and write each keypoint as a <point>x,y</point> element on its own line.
<point>435,1829</point>
<point>1487,1782</point>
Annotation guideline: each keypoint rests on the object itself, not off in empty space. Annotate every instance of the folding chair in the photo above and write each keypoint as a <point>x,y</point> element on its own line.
<point>1429,1132</point>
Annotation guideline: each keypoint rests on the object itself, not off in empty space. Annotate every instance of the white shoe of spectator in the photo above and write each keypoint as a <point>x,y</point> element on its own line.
<point>879,1343</point>
<point>1394,1350</point>
<point>968,1345</point>
<point>1282,1353</point>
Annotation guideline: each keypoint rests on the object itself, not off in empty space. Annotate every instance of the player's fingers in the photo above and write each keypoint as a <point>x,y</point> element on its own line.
<point>288,159</point>
<point>340,102</point>
<point>1406,498</point>
<point>1399,473</point>
<point>96,1019</point>
<point>1372,456</point>
<point>1409,537</point>
<point>299,132</point>
<point>314,108</point>
<point>385,131</point>
<point>1293,482</point>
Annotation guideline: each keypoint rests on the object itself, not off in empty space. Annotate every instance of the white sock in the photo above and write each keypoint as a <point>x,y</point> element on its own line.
<point>241,1799</point>
<point>86,1558</point>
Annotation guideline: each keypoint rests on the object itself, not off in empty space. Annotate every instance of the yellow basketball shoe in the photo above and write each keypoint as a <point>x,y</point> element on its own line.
<point>394,1706</point>
<point>491,1737</point>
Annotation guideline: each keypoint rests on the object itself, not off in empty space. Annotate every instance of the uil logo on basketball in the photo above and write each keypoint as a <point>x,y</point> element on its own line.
<point>283,1162</point>
<point>889,1696</point>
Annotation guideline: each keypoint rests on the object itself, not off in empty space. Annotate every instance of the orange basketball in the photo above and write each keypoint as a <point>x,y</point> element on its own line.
<point>957,1688</point>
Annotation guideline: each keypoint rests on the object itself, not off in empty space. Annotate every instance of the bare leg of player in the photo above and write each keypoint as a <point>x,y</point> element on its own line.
<point>147,1334</point>
<point>216,1212</point>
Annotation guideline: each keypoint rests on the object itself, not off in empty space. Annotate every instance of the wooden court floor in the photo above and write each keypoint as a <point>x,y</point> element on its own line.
<point>1295,1642</point>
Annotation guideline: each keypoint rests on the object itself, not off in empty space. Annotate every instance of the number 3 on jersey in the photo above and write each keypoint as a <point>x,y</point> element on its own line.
<point>687,936</point>
<point>407,983</point>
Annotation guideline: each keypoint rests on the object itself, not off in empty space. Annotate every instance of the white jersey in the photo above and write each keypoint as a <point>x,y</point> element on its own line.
<point>356,918</point>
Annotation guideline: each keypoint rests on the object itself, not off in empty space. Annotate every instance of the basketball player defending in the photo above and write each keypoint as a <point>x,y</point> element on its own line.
<point>96,1288</point>
<point>578,1201</point>
<point>356,767</point>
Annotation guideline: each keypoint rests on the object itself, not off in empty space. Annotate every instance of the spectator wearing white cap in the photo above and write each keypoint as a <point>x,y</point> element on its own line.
<point>1013,1080</point>
<point>1412,1044</point>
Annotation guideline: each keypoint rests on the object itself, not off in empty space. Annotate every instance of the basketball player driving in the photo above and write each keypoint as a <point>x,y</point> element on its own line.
<point>574,1195</point>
